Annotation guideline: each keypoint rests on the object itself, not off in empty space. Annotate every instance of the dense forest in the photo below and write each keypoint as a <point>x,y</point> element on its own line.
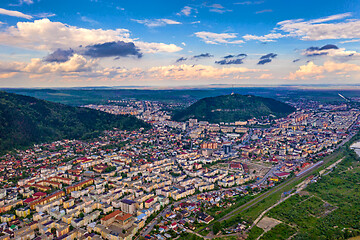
<point>26,120</point>
<point>234,107</point>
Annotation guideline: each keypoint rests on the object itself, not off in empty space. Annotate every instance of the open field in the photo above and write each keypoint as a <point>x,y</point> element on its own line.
<point>331,210</point>
<point>268,223</point>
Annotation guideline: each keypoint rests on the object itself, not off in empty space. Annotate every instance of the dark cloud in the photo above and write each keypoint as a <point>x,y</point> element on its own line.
<point>267,58</point>
<point>203,55</point>
<point>229,56</point>
<point>319,51</point>
<point>112,49</point>
<point>244,55</point>
<point>296,60</point>
<point>328,46</point>
<point>310,49</point>
<point>231,61</point>
<point>181,59</point>
<point>263,61</point>
<point>59,55</point>
<point>241,55</point>
<point>270,55</point>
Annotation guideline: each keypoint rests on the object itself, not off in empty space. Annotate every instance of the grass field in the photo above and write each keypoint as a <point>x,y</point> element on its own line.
<point>254,233</point>
<point>331,210</point>
<point>252,213</point>
<point>279,232</point>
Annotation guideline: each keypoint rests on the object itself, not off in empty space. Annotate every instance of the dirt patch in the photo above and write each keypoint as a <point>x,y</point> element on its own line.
<point>267,223</point>
<point>304,193</point>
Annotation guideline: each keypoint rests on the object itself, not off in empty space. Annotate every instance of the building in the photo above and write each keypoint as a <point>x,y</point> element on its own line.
<point>22,212</point>
<point>47,199</point>
<point>79,186</point>
<point>128,206</point>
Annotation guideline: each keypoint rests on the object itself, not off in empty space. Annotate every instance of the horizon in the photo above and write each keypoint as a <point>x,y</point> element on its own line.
<point>354,87</point>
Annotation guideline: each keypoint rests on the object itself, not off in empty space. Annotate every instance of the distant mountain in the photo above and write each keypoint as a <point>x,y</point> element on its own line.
<point>26,120</point>
<point>235,107</point>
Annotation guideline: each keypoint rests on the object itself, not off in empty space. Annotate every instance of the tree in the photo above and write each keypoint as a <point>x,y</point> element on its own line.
<point>216,227</point>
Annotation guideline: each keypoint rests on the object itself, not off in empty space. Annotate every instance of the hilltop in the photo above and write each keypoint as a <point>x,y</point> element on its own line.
<point>26,120</point>
<point>235,107</point>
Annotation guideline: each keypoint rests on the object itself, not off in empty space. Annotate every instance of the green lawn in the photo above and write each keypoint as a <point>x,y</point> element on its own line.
<point>254,233</point>
<point>279,232</point>
<point>332,210</point>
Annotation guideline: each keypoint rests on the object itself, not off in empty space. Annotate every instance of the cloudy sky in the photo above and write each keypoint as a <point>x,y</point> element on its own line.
<point>51,43</point>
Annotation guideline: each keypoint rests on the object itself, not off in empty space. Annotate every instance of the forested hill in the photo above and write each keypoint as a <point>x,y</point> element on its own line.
<point>234,107</point>
<point>26,120</point>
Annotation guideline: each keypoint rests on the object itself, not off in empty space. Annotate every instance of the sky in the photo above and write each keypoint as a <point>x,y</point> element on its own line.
<point>51,43</point>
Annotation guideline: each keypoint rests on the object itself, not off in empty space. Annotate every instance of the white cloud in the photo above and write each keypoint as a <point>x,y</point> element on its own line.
<point>88,20</point>
<point>313,71</point>
<point>266,76</point>
<point>264,11</point>
<point>351,41</point>
<point>187,11</point>
<point>329,27</point>
<point>248,2</point>
<point>27,1</point>
<point>320,29</point>
<point>266,38</point>
<point>21,2</point>
<point>14,13</point>
<point>47,35</point>
<point>216,5</point>
<point>157,47</point>
<point>157,22</point>
<point>80,68</point>
<point>339,53</point>
<point>7,75</point>
<point>76,63</point>
<point>331,18</point>
<point>45,15</point>
<point>191,72</point>
<point>218,8</point>
<point>216,38</point>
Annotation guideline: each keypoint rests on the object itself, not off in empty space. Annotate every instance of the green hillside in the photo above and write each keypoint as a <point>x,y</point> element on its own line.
<point>26,120</point>
<point>230,108</point>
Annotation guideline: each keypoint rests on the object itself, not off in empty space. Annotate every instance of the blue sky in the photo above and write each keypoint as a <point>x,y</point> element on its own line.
<point>54,43</point>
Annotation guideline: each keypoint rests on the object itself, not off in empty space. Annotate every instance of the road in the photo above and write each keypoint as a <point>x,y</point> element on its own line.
<point>257,199</point>
<point>243,207</point>
<point>274,190</point>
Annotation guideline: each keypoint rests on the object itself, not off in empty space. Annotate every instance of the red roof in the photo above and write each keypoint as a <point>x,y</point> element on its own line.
<point>39,194</point>
<point>111,215</point>
<point>282,174</point>
<point>29,200</point>
<point>235,165</point>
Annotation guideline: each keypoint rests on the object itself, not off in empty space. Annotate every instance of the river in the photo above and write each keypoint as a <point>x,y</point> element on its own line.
<point>356,147</point>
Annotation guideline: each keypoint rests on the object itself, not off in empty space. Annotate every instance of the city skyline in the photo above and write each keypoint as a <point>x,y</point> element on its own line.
<point>157,43</point>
